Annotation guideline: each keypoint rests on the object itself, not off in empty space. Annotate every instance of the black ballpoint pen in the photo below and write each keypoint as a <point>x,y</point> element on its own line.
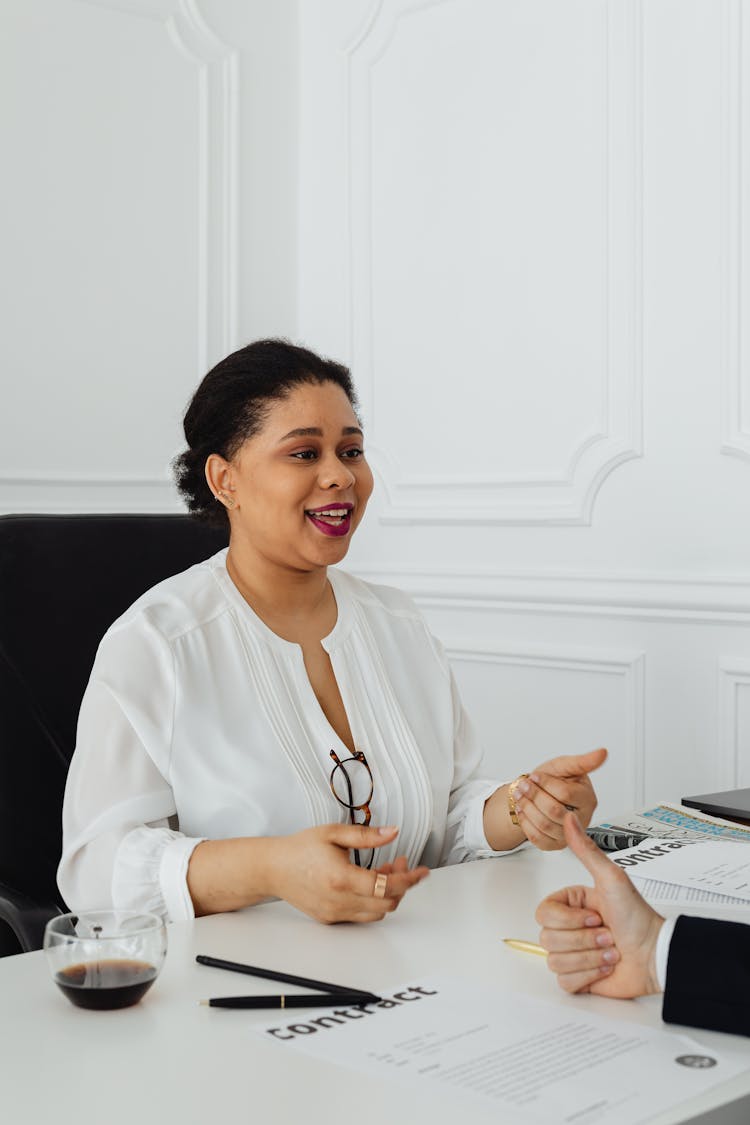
<point>285,978</point>
<point>295,1001</point>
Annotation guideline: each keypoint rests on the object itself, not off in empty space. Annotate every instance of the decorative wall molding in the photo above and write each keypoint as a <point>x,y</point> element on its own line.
<point>677,597</point>
<point>736,377</point>
<point>568,496</point>
<point>80,494</point>
<point>217,239</point>
<point>218,165</point>
<point>628,665</point>
<point>218,67</point>
<point>734,677</point>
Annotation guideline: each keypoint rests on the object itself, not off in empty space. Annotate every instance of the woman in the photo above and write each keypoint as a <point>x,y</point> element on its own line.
<point>253,725</point>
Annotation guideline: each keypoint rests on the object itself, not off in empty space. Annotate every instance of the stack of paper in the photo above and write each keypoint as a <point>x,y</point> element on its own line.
<point>681,873</point>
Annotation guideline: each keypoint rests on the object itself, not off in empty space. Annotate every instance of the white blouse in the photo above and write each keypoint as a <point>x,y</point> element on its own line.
<point>201,723</point>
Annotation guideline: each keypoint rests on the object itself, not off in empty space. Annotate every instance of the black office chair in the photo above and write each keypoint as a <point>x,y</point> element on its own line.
<point>63,581</point>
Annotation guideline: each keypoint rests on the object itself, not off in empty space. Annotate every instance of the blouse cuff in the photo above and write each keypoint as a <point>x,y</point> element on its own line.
<point>173,878</point>
<point>150,872</point>
<point>661,954</point>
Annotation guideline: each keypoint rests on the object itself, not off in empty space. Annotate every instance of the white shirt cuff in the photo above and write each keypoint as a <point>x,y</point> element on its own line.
<point>173,878</point>
<point>661,955</point>
<point>150,872</point>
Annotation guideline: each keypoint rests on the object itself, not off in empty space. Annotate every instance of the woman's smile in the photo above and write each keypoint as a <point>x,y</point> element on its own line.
<point>332,519</point>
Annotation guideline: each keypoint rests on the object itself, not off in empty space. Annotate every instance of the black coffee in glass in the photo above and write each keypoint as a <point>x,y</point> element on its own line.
<point>106,984</point>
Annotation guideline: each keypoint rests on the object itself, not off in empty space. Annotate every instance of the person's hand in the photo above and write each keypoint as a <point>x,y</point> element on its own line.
<point>399,866</point>
<point>600,939</point>
<point>312,871</point>
<point>560,785</point>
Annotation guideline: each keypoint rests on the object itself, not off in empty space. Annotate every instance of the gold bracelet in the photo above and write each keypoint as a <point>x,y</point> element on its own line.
<point>512,799</point>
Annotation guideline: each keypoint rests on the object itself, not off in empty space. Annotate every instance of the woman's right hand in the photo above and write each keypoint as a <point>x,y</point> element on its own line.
<point>313,871</point>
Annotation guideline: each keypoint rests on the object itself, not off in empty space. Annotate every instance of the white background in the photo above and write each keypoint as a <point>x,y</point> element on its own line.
<point>524,224</point>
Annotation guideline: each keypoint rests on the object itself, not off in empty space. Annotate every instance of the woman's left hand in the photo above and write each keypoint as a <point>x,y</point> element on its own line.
<point>558,786</point>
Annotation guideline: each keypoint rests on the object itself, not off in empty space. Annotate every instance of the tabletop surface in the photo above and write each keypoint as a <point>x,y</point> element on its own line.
<point>169,1059</point>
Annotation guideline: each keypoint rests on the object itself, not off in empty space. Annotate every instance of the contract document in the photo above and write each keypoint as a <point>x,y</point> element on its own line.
<point>713,867</point>
<point>541,1063</point>
<point>671,898</point>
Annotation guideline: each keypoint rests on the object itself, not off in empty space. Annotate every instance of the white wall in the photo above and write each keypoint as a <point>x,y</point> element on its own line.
<point>521,221</point>
<point>148,227</point>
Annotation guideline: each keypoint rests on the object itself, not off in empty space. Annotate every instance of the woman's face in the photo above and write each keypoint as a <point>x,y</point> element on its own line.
<point>301,484</point>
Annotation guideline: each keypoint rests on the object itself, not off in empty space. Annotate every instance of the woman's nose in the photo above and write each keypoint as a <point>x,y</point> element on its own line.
<point>333,473</point>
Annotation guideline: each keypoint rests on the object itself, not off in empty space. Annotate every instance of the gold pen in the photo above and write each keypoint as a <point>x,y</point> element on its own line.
<point>525,946</point>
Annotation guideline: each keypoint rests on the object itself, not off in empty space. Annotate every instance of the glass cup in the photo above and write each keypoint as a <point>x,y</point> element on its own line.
<point>105,958</point>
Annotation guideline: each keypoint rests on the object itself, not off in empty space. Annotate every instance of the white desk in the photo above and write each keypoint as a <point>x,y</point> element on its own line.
<point>169,1060</point>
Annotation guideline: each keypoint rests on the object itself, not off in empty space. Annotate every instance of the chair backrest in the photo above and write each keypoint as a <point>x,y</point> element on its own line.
<point>63,581</point>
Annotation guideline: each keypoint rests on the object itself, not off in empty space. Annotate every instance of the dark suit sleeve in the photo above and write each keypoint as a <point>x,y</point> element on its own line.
<point>708,975</point>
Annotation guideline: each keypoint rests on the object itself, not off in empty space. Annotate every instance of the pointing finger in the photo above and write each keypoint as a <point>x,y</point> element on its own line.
<point>572,765</point>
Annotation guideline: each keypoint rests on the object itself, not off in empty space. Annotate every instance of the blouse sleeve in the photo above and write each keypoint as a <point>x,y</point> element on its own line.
<point>118,848</point>
<point>465,837</point>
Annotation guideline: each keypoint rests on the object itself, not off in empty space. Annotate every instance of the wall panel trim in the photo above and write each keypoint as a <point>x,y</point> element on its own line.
<point>734,674</point>
<point>629,665</point>
<point>735,404</point>
<point>567,497</point>
<point>217,279</point>
<point>674,597</point>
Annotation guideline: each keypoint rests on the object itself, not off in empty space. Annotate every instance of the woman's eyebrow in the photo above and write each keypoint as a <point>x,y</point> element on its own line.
<point>315,431</point>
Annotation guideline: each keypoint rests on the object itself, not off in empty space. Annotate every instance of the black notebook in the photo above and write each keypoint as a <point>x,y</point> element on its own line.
<point>733,804</point>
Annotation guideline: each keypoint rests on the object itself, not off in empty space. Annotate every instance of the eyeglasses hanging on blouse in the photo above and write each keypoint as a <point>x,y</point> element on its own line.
<point>352,786</point>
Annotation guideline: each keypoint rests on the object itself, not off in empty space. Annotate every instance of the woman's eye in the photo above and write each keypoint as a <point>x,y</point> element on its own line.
<point>353,454</point>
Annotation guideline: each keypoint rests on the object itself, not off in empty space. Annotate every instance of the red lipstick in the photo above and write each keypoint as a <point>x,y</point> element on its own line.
<point>333,519</point>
